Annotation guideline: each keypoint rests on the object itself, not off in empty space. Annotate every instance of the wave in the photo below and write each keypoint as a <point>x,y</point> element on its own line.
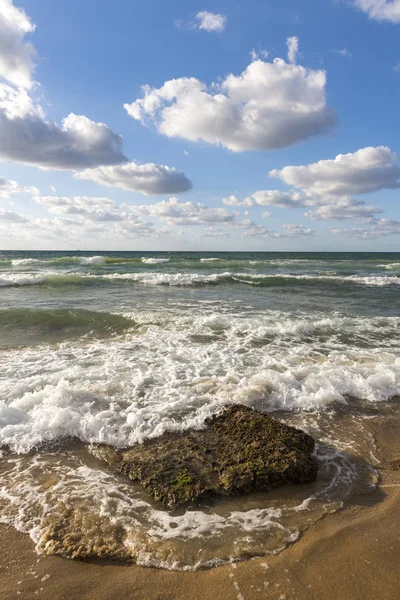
<point>24,262</point>
<point>52,279</point>
<point>126,388</point>
<point>154,261</point>
<point>190,279</point>
<point>391,266</point>
<point>263,280</point>
<point>211,259</point>
<point>61,320</point>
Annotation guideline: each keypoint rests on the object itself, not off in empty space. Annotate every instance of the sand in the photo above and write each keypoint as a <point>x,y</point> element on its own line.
<point>353,554</point>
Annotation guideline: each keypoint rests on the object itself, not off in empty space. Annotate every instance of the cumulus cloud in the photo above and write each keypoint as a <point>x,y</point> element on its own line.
<point>344,52</point>
<point>146,178</point>
<point>290,199</point>
<point>293,231</point>
<point>251,229</point>
<point>27,137</point>
<point>210,21</point>
<point>9,187</point>
<point>7,216</point>
<point>367,170</point>
<point>380,10</point>
<point>88,221</point>
<point>341,208</point>
<point>94,209</point>
<point>377,228</point>
<point>174,212</point>
<point>16,54</point>
<point>293,48</point>
<point>234,201</point>
<point>270,105</point>
<point>328,185</point>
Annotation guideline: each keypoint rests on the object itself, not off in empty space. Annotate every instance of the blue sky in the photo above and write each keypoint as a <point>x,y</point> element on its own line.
<point>227,149</point>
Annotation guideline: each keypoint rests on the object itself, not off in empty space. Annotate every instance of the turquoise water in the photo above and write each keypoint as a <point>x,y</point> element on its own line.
<point>114,347</point>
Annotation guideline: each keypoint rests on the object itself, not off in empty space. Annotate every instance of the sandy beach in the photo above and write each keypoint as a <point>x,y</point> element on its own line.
<point>353,554</point>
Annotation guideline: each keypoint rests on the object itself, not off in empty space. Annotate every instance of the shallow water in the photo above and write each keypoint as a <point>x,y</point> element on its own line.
<point>117,347</point>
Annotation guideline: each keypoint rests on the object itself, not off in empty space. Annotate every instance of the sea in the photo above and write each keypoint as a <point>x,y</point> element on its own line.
<point>118,347</point>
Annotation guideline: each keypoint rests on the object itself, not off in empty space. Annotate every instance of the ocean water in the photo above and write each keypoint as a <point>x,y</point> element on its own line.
<point>116,347</point>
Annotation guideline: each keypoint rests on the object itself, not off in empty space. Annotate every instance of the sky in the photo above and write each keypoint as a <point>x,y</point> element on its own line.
<point>268,125</point>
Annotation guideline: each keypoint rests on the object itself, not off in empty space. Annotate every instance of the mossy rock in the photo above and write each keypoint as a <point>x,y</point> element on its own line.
<point>239,451</point>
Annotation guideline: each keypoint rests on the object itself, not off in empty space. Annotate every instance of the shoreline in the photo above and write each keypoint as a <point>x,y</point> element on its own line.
<point>353,554</point>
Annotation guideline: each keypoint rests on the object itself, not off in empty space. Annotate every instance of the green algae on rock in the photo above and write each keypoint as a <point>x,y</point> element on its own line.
<point>239,451</point>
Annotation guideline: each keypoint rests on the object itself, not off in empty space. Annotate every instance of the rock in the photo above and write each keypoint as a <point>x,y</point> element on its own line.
<point>240,451</point>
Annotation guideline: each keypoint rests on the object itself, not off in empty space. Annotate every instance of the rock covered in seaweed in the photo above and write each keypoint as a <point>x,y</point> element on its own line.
<point>240,451</point>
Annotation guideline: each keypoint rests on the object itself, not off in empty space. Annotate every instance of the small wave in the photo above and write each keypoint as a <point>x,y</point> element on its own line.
<point>92,260</point>
<point>154,261</point>
<point>209,259</point>
<point>61,320</point>
<point>391,266</point>
<point>23,262</point>
<point>262,280</point>
<point>46,278</point>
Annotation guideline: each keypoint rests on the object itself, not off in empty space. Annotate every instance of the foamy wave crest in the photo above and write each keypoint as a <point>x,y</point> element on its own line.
<point>12,280</point>
<point>105,392</point>
<point>154,261</point>
<point>23,262</point>
<point>92,260</point>
<point>212,259</point>
<point>391,266</point>
<point>184,279</point>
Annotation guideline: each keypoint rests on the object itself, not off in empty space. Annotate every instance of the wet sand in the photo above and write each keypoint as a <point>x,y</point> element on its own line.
<point>350,555</point>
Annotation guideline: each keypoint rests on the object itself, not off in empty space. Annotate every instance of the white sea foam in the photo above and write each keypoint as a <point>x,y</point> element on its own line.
<point>211,259</point>
<point>17,279</point>
<point>37,492</point>
<point>92,260</point>
<point>391,266</point>
<point>185,279</point>
<point>154,261</point>
<point>24,262</point>
<point>122,390</point>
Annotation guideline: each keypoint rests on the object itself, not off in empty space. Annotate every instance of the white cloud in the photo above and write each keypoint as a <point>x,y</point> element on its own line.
<point>174,212</point>
<point>9,187</point>
<point>270,105</point>
<point>380,10</point>
<point>7,216</point>
<point>378,228</point>
<point>16,55</point>
<point>266,215</point>
<point>293,48</point>
<point>367,170</point>
<point>344,52</point>
<point>215,233</point>
<point>234,201</point>
<point>257,54</point>
<point>26,137</point>
<point>293,231</point>
<point>341,208</point>
<point>290,199</point>
<point>94,209</point>
<point>251,229</point>
<point>210,21</point>
<point>147,178</point>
